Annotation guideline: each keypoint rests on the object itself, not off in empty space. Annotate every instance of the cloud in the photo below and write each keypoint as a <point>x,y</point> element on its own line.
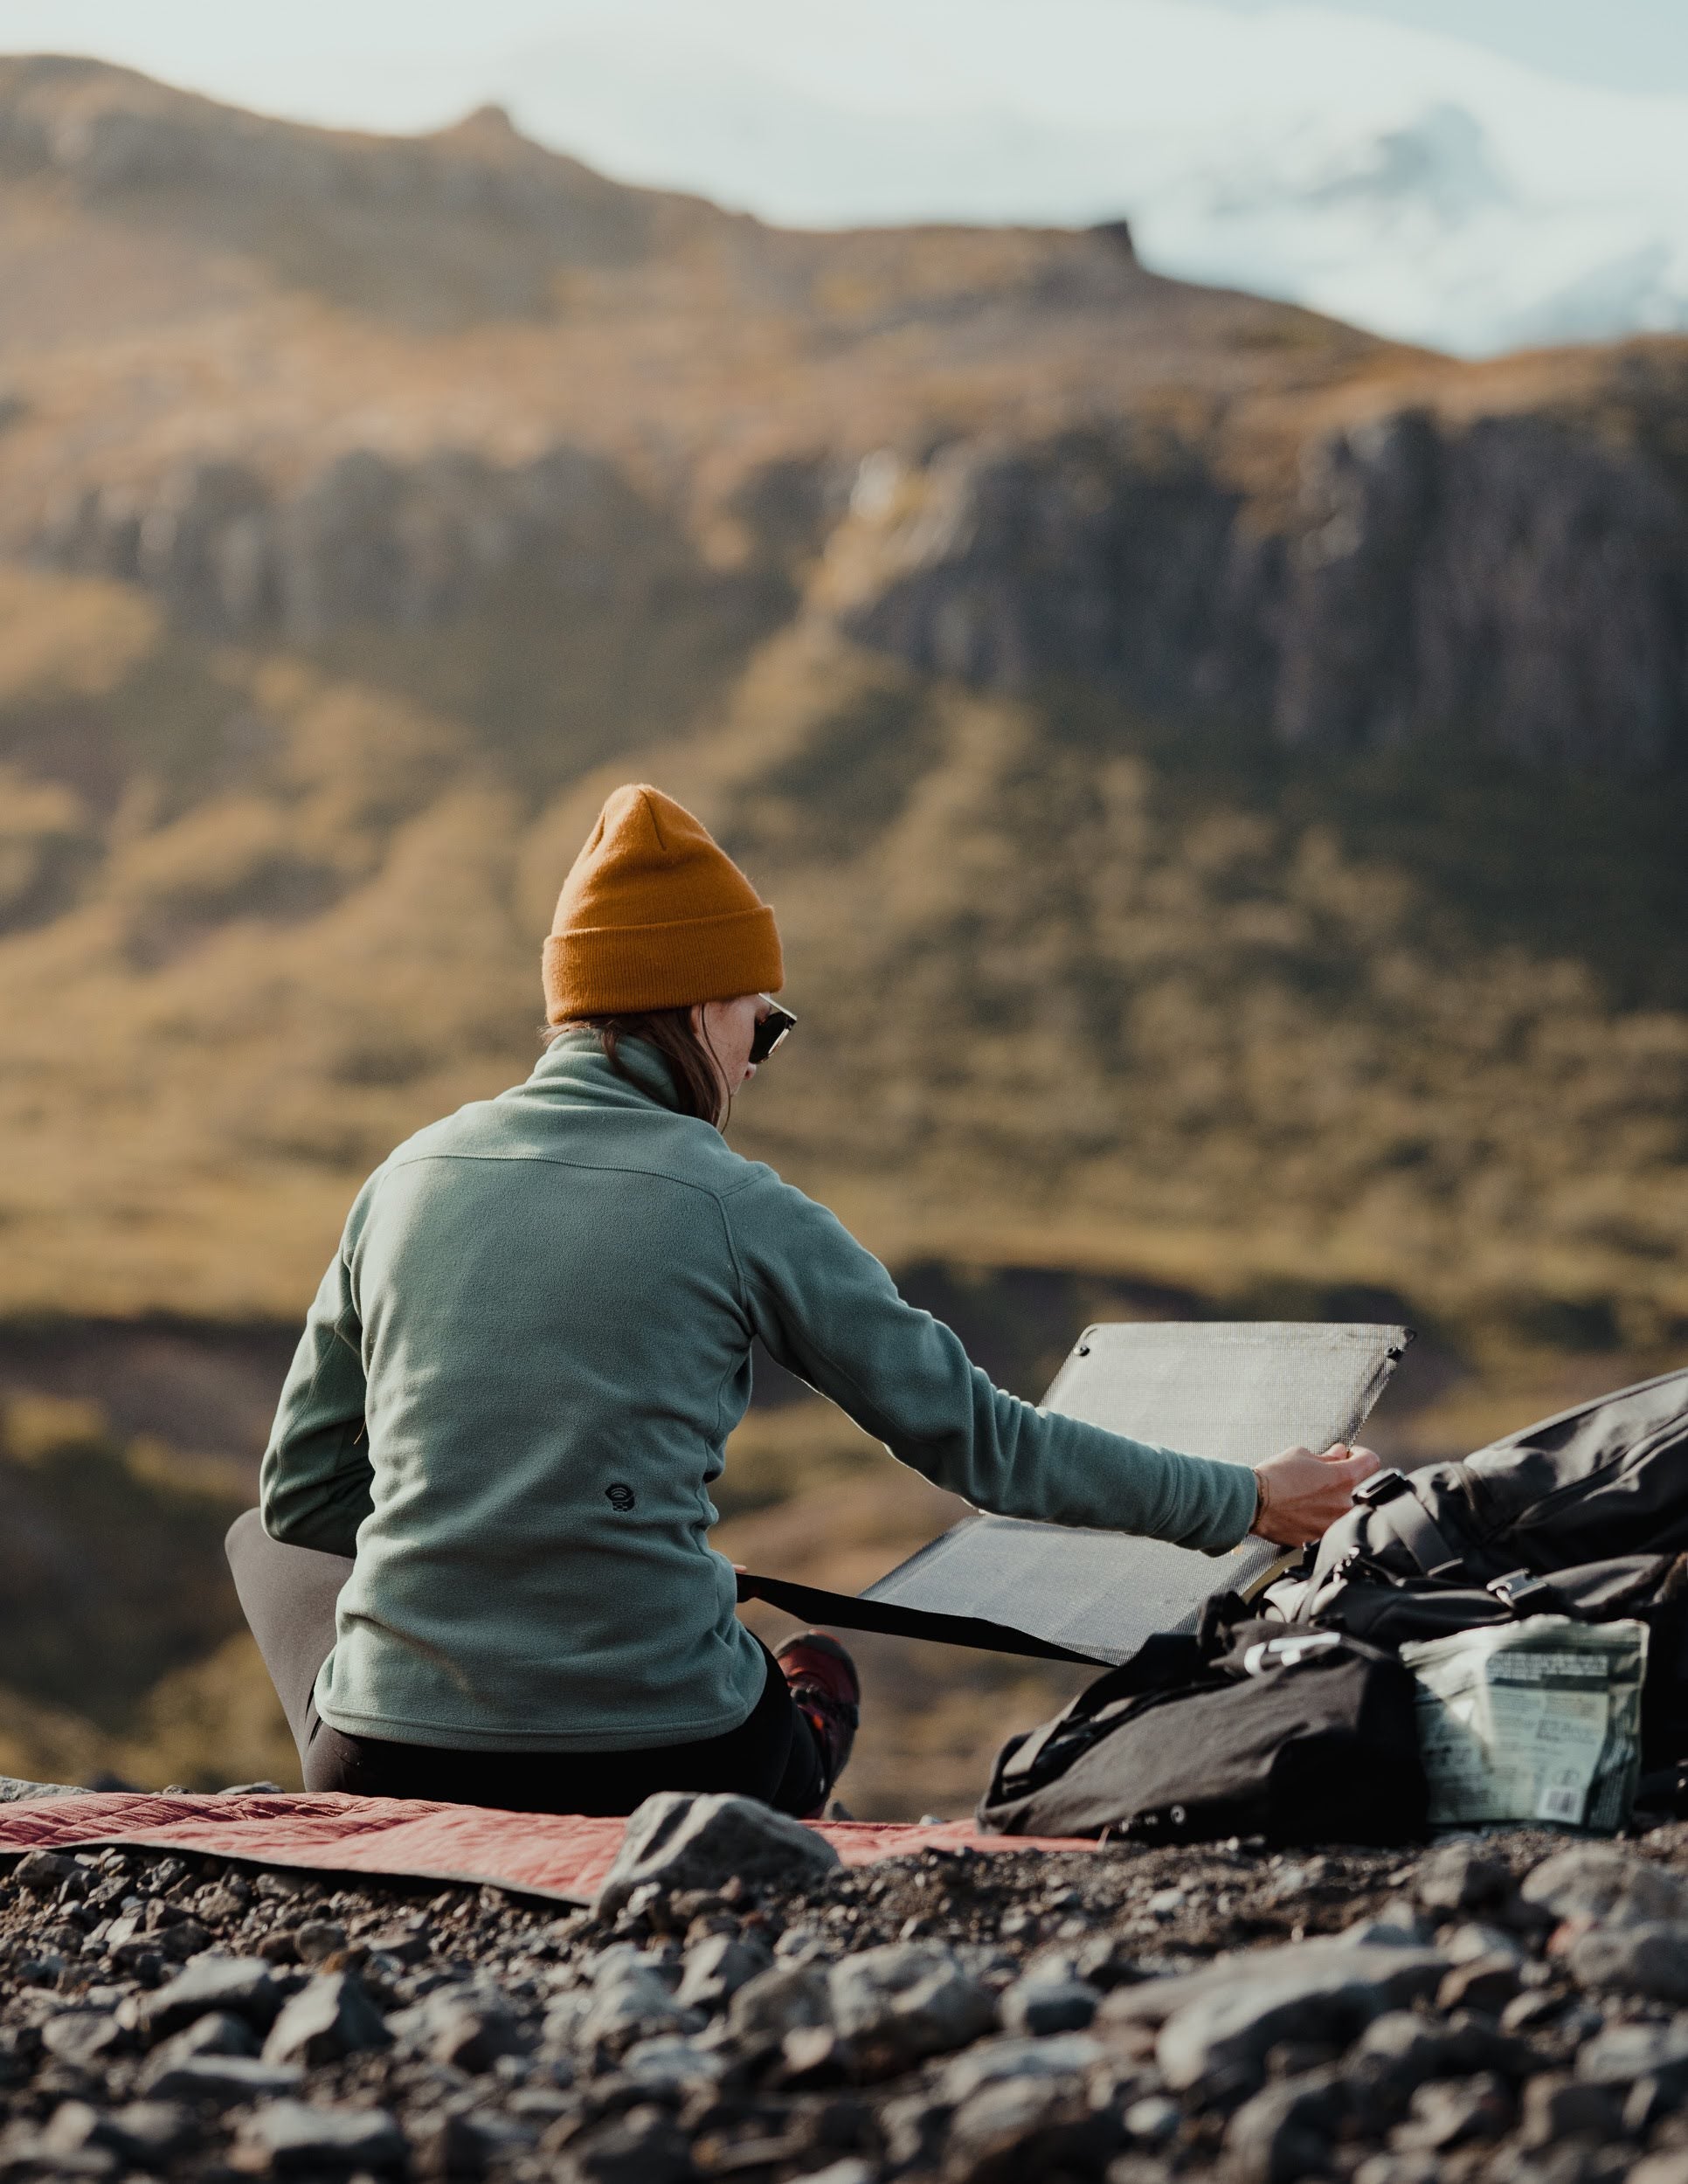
<point>1409,180</point>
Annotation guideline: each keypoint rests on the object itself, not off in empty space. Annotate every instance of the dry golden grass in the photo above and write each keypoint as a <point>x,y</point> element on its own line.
<point>206,1727</point>
<point>1072,994</point>
<point>123,1653</point>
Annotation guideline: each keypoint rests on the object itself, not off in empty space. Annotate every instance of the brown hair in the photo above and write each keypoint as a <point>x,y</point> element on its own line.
<point>690,1059</point>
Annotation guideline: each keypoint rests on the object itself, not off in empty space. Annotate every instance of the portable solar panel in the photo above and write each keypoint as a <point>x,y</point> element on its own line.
<point>1231,1391</point>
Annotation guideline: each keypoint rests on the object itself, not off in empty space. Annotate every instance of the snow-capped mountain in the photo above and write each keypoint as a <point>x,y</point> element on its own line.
<point>1413,182</point>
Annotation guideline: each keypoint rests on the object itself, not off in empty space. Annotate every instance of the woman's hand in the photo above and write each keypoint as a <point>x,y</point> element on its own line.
<point>1302,1495</point>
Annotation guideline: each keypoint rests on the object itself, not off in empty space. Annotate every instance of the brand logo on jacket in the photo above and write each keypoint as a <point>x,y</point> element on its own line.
<point>621,1498</point>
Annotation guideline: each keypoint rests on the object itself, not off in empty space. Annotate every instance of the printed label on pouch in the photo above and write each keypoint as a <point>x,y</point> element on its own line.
<point>1562,1800</point>
<point>1536,1720</point>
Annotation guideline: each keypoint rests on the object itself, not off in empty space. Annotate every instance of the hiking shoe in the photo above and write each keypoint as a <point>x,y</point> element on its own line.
<point>827,1693</point>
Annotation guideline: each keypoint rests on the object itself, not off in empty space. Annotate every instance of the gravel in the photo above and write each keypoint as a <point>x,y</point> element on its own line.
<point>1508,2009</point>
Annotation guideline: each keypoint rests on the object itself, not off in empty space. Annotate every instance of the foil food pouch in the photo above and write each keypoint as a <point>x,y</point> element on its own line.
<point>1533,1721</point>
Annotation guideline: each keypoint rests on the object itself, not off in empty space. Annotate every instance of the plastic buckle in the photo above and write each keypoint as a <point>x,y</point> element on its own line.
<point>1382,1488</point>
<point>1519,1588</point>
<point>1290,1651</point>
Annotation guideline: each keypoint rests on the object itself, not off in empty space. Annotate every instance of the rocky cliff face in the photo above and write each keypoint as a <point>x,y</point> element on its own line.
<point>1514,585</point>
<point>367,540</point>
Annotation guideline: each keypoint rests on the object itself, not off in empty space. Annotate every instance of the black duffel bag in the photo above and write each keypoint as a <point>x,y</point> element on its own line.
<point>1511,1531</point>
<point>1247,1729</point>
<point>1300,1727</point>
<point>1607,1480</point>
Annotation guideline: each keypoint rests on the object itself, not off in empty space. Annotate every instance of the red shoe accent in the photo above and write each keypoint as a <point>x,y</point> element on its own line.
<point>827,1692</point>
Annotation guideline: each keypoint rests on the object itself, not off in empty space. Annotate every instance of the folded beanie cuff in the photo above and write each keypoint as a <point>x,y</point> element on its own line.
<point>629,970</point>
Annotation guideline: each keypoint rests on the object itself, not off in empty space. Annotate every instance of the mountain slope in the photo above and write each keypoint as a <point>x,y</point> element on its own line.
<point>1222,776</point>
<point>1413,182</point>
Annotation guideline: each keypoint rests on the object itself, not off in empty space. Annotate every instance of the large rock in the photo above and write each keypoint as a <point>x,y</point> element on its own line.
<point>144,2134</point>
<point>716,1967</point>
<point>633,2001</point>
<point>1660,2168</point>
<point>1049,2001</point>
<point>453,2143</point>
<point>290,2136</point>
<point>1649,1958</point>
<point>461,2026</point>
<point>1400,2051</point>
<point>1065,2056</point>
<point>44,1872</point>
<point>86,2037</point>
<point>1453,2111</point>
<point>318,1940</point>
<point>1601,1881</point>
<point>785,1998</point>
<point>907,1999</point>
<point>241,1986</point>
<point>1218,2023</point>
<point>674,2063</point>
<point>1396,1975</point>
<point>219,2032</point>
<point>1474,1938</point>
<point>1623,2053</point>
<point>678,1841</point>
<point>1556,2108</point>
<point>644,2146</point>
<point>219,2081</point>
<point>15,1789</point>
<point>1460,1876</point>
<point>1221,2039</point>
<point>1484,1984</point>
<point>1286,2132</point>
<point>1024,2127</point>
<point>329,2017</point>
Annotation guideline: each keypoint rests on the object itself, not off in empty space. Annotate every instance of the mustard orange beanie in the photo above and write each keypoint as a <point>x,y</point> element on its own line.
<point>655,915</point>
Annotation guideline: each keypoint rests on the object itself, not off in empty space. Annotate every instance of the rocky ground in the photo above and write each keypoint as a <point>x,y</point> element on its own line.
<point>1496,2009</point>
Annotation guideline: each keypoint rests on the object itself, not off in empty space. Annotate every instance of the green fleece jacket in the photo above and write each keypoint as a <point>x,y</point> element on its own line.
<point>512,1391</point>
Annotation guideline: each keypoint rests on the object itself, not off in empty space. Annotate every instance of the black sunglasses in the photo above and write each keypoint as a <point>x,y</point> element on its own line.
<point>771,1031</point>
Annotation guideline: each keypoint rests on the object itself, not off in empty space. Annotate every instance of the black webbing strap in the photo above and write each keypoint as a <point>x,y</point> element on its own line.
<point>1409,1520</point>
<point>811,1604</point>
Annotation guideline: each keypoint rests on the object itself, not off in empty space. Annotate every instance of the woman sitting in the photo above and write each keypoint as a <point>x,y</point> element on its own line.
<point>481,1568</point>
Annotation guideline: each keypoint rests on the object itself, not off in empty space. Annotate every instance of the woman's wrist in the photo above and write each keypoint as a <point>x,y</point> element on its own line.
<point>1262,1500</point>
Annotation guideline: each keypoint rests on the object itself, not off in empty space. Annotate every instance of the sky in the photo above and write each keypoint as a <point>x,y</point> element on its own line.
<point>1619,44</point>
<point>1475,174</point>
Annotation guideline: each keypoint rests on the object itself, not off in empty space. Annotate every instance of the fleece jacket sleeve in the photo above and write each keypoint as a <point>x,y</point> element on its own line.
<point>829,1312</point>
<point>314,1484</point>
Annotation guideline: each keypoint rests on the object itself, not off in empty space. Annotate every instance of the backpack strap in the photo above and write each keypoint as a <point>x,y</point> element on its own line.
<point>1391,1500</point>
<point>1015,1771</point>
<point>811,1604</point>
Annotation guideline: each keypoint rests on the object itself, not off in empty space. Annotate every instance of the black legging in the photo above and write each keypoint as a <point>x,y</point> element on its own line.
<point>288,1596</point>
